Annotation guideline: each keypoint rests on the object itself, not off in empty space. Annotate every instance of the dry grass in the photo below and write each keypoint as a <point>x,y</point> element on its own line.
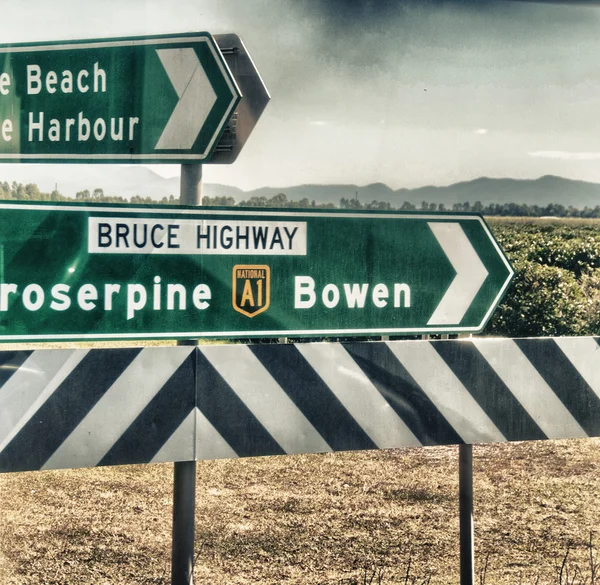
<point>348,518</point>
<point>86,344</point>
<point>102,344</point>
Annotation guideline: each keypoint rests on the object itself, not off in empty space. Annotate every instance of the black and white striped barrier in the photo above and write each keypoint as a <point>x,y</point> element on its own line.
<point>83,408</point>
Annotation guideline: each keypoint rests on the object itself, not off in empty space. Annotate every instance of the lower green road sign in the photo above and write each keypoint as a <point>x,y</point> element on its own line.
<point>82,272</point>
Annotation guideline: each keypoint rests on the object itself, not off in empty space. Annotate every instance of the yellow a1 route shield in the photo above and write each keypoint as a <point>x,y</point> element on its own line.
<point>251,289</point>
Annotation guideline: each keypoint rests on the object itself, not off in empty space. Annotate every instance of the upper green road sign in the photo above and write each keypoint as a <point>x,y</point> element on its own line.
<point>99,272</point>
<point>158,99</point>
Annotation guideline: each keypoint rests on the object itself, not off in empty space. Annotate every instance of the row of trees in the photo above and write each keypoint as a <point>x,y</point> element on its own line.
<point>31,192</point>
<point>497,209</point>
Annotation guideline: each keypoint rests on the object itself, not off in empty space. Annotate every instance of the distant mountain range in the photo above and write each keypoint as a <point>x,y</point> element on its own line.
<point>542,191</point>
<point>128,181</point>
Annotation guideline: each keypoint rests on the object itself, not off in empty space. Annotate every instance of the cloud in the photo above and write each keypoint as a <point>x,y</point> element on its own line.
<point>367,38</point>
<point>565,155</point>
<point>481,131</point>
<point>363,13</point>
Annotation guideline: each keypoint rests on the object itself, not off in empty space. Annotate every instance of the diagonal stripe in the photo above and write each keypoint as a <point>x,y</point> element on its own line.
<point>566,382</point>
<point>232,419</point>
<point>358,395</point>
<point>209,442</point>
<point>490,392</point>
<point>10,362</point>
<point>161,417</point>
<point>530,389</point>
<point>179,65</point>
<point>39,438</point>
<point>180,445</point>
<point>470,273</point>
<point>114,412</point>
<point>446,391</point>
<point>31,385</point>
<point>196,98</point>
<point>584,354</point>
<point>403,394</point>
<point>312,396</point>
<point>265,399</point>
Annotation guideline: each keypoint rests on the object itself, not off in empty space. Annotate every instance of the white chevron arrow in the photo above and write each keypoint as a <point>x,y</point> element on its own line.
<point>196,98</point>
<point>470,273</point>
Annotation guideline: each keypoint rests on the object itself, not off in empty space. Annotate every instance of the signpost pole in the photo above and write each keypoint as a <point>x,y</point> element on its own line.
<point>191,185</point>
<point>465,488</point>
<point>184,485</point>
<point>465,507</point>
<point>184,504</point>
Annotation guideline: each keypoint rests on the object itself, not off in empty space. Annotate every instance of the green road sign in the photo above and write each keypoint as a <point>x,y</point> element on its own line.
<point>100,272</point>
<point>158,99</point>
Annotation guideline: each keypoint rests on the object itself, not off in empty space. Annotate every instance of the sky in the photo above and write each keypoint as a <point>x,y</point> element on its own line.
<point>403,92</point>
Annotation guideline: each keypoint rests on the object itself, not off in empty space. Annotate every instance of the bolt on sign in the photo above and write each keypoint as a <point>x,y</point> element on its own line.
<point>153,99</point>
<point>81,272</point>
<point>251,106</point>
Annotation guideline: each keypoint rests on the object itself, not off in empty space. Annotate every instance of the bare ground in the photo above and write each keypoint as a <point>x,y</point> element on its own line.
<point>347,518</point>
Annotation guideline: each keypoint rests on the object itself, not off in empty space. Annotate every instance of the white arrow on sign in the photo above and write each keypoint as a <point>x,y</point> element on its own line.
<point>470,273</point>
<point>196,98</point>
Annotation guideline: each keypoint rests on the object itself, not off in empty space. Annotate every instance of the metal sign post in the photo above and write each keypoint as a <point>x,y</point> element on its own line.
<point>184,508</point>
<point>465,483</point>
<point>184,484</point>
<point>465,513</point>
<point>465,507</point>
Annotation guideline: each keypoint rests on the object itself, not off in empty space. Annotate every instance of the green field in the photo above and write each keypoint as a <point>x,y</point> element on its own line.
<point>556,290</point>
